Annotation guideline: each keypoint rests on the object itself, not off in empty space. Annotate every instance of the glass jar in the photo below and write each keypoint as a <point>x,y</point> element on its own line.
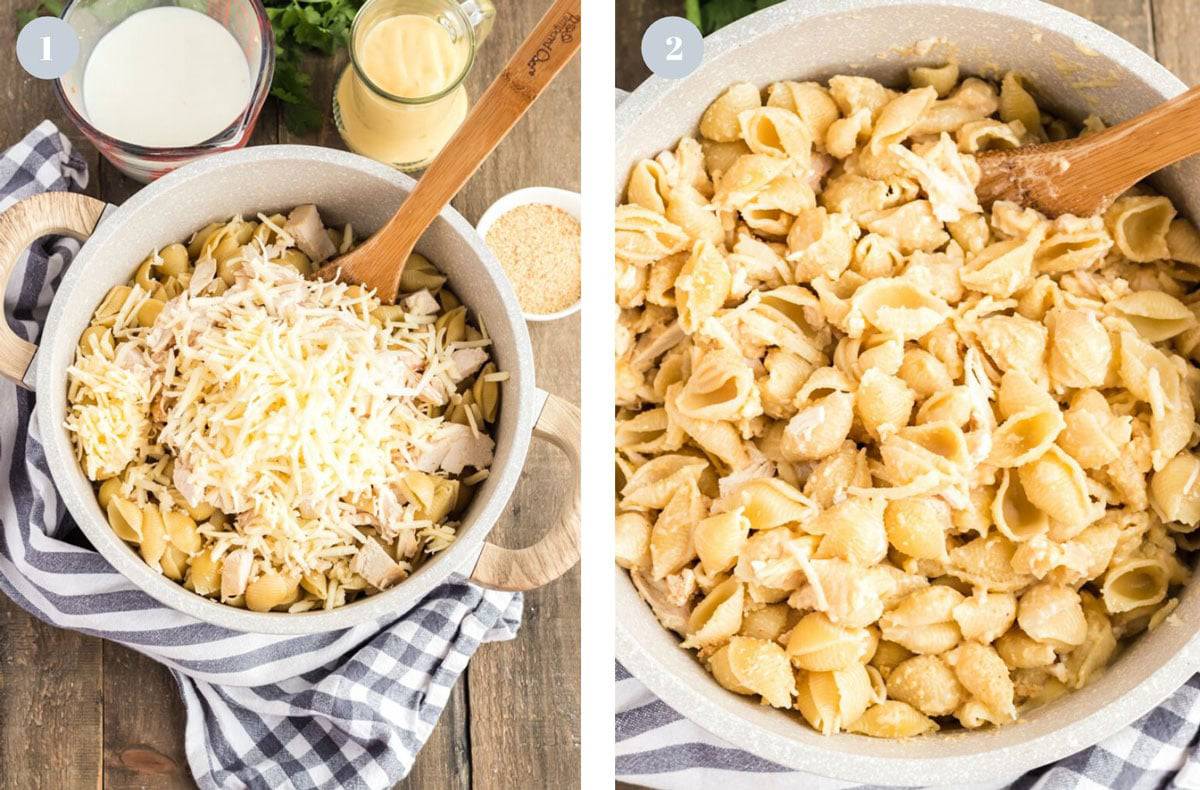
<point>402,97</point>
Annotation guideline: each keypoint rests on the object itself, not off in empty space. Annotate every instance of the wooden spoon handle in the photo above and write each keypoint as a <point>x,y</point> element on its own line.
<point>1143,145</point>
<point>543,54</point>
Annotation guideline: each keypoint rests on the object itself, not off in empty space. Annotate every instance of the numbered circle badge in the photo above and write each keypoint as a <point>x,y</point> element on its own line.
<point>672,47</point>
<point>47,47</point>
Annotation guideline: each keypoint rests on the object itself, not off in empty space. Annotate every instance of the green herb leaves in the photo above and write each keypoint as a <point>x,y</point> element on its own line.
<point>302,26</point>
<point>43,8</point>
<point>710,15</point>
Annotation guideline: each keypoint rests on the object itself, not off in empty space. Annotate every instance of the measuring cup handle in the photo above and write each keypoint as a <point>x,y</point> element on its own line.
<point>47,214</point>
<point>481,14</point>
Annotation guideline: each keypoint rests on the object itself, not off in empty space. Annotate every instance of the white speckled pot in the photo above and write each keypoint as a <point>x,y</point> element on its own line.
<point>346,188</point>
<point>813,41</point>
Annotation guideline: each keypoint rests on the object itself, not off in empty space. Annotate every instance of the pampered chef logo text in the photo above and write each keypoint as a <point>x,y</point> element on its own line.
<point>564,31</point>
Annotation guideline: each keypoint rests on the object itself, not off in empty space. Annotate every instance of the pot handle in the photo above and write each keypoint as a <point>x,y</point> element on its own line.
<point>45,214</point>
<point>557,551</point>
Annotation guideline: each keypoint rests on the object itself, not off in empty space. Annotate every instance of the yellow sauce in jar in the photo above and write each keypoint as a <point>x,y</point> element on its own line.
<point>406,57</point>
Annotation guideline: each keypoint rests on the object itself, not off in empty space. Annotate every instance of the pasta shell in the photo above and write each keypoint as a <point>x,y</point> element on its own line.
<point>271,590</point>
<point>719,388</point>
<point>644,236</point>
<point>649,186</point>
<point>818,428</point>
<point>1015,516</point>
<point>702,286</point>
<point>1018,104</point>
<point>918,526</point>
<point>632,541</point>
<point>755,666</point>
<point>1002,268</point>
<point>1183,242</point>
<point>720,120</point>
<point>1175,490</point>
<point>830,701</point>
<point>1075,244</point>
<point>1057,486</point>
<point>154,537</point>
<point>810,101</point>
<point>1139,225</point>
<point>1052,613</point>
<point>775,131</point>
<point>1025,436</point>
<point>895,307</point>
<point>655,481</point>
<point>892,719</point>
<point>1155,315</point>
<point>717,617</point>
<point>671,545</point>
<point>853,531</point>
<point>818,644</point>
<point>884,403</point>
<point>770,502</point>
<point>719,540</point>
<point>986,562</point>
<point>927,684</point>
<point>1134,584</point>
<point>924,621</point>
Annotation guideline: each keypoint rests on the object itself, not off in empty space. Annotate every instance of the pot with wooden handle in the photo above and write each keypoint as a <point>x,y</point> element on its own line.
<point>348,188</point>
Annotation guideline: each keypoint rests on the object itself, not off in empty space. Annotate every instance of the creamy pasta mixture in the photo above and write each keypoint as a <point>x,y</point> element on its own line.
<point>886,456</point>
<point>276,442</point>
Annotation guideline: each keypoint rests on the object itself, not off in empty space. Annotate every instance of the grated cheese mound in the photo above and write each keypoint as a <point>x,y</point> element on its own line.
<point>109,416</point>
<point>284,403</point>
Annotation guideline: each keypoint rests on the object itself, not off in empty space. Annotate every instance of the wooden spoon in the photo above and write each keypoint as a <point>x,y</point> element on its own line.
<point>1082,176</point>
<point>379,261</point>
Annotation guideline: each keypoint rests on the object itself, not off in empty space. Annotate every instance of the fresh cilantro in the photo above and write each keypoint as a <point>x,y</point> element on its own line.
<point>711,15</point>
<point>43,8</point>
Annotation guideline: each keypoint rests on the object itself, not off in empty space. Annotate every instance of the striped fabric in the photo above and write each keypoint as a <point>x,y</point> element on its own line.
<point>347,709</point>
<point>659,748</point>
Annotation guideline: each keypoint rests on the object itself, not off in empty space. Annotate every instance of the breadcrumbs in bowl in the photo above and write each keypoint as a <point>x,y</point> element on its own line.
<point>535,235</point>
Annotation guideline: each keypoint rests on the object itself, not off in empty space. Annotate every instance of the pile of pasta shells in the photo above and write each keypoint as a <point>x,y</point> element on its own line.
<point>886,457</point>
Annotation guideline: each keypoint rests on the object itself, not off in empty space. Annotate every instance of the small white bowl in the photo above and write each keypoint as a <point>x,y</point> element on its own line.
<point>564,199</point>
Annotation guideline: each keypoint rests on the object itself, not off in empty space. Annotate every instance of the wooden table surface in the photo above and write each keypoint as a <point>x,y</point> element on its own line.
<point>1166,29</point>
<point>78,712</point>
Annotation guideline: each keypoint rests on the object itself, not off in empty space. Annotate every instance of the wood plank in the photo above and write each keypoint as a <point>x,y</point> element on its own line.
<point>524,695</point>
<point>1129,19</point>
<point>50,701</point>
<point>50,704</point>
<point>632,20</point>
<point>445,761</point>
<point>143,724</point>
<point>1176,30</point>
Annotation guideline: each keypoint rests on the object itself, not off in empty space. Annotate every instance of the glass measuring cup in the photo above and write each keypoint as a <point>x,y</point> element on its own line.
<point>407,132</point>
<point>246,20</point>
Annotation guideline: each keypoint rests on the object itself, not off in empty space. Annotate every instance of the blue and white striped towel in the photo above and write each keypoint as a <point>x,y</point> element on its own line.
<point>349,709</point>
<point>658,748</point>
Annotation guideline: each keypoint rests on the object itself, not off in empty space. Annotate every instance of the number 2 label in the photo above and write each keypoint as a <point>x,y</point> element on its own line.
<point>674,48</point>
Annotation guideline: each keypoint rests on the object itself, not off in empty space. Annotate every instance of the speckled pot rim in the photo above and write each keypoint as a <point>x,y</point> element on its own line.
<point>653,655</point>
<point>522,402</point>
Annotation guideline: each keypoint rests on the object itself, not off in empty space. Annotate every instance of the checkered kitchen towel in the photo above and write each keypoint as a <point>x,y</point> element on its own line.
<point>658,748</point>
<point>348,709</point>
